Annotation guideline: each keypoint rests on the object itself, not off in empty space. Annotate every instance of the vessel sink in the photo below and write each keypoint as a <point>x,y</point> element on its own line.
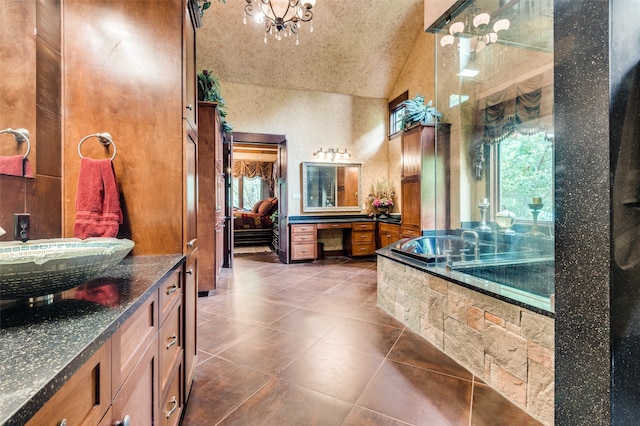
<point>40,267</point>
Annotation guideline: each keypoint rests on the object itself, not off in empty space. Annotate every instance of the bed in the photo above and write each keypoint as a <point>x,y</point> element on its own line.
<point>254,227</point>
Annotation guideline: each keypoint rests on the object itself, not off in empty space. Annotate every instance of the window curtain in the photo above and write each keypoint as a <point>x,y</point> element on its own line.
<point>251,169</point>
<point>517,108</point>
<point>266,170</point>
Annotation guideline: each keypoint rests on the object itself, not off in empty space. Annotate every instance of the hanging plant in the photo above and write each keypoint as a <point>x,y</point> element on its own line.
<point>415,111</point>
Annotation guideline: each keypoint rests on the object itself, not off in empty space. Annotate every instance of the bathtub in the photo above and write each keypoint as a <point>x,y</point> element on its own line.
<point>511,268</point>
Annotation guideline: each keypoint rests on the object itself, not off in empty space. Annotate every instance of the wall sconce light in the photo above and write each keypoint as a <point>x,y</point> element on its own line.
<point>332,154</point>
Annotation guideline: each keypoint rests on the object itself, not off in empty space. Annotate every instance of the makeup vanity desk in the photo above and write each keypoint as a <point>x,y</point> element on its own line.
<point>358,234</point>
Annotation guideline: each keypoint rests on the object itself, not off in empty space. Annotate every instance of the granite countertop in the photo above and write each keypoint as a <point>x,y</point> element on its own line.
<point>41,347</point>
<point>343,219</point>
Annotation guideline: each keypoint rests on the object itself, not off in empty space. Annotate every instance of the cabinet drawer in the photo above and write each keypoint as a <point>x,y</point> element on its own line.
<point>169,291</point>
<point>132,339</point>
<point>363,249</point>
<point>344,225</point>
<point>302,238</point>
<point>302,251</point>
<point>173,400</point>
<point>363,226</point>
<point>85,398</point>
<point>303,229</point>
<point>410,231</point>
<point>170,344</point>
<point>362,237</point>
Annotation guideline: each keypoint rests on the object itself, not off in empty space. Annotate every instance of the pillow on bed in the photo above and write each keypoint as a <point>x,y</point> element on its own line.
<point>264,207</point>
<point>256,206</point>
<point>274,206</point>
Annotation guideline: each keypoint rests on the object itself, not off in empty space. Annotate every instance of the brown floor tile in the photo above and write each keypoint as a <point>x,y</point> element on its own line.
<point>219,387</point>
<point>372,339</point>
<point>268,350</point>
<point>362,417</point>
<point>222,332</point>
<point>283,403</point>
<point>418,396</point>
<point>492,409</point>
<point>293,296</point>
<point>413,349</point>
<point>307,323</point>
<point>333,370</point>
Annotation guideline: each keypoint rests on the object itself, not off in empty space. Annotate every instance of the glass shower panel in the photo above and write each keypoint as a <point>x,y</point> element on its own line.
<point>494,85</point>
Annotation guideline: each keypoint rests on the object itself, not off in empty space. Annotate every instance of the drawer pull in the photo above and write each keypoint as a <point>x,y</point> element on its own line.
<point>172,289</point>
<point>303,238</point>
<point>172,340</point>
<point>363,226</point>
<point>363,237</point>
<point>126,421</point>
<point>304,250</point>
<point>173,402</point>
<point>190,107</point>
<point>190,272</point>
<point>62,422</point>
<point>334,225</point>
<point>191,243</point>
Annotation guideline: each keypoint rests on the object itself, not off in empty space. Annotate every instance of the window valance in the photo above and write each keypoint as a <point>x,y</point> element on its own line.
<point>250,169</point>
<point>525,107</point>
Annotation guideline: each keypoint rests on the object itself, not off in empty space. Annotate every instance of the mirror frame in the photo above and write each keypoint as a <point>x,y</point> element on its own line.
<point>307,209</point>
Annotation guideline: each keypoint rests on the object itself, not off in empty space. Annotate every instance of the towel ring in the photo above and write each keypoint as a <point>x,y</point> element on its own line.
<point>104,138</point>
<point>21,135</point>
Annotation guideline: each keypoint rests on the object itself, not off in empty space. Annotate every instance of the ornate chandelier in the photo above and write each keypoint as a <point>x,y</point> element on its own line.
<point>477,30</point>
<point>280,17</point>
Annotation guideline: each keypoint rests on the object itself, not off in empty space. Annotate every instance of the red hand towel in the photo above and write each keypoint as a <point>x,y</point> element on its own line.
<point>15,165</point>
<point>98,212</point>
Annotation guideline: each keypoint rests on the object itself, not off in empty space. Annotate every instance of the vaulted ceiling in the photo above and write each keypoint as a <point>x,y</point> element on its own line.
<point>357,47</point>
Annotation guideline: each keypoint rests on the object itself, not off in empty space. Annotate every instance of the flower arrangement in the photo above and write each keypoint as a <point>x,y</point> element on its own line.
<point>382,194</point>
<point>209,91</point>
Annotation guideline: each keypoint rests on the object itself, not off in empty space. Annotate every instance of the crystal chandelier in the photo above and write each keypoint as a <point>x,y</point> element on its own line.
<point>280,17</point>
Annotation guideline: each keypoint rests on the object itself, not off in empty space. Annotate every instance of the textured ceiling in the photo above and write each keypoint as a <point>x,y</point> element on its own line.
<point>357,47</point>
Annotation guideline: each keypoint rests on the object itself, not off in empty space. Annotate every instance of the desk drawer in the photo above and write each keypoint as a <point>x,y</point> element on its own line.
<point>346,225</point>
<point>303,238</point>
<point>301,251</point>
<point>363,249</point>
<point>362,237</point>
<point>303,229</point>
<point>363,226</point>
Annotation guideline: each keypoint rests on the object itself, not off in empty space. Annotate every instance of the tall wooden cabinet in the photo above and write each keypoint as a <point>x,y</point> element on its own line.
<point>211,200</point>
<point>425,178</point>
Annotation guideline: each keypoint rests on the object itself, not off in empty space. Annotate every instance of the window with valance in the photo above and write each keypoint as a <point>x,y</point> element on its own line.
<point>525,107</point>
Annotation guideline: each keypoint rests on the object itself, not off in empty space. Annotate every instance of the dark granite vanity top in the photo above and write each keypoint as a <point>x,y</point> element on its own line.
<point>42,346</point>
<point>393,218</point>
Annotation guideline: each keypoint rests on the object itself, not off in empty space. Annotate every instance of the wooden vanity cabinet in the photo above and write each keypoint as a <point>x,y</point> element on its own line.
<point>85,398</point>
<point>425,179</point>
<point>388,233</point>
<point>362,241</point>
<point>303,242</point>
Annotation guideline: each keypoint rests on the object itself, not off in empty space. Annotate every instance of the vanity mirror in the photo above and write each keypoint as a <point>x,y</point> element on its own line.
<point>329,187</point>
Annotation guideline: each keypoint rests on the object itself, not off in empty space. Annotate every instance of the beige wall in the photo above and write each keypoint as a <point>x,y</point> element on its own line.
<point>417,77</point>
<point>310,121</point>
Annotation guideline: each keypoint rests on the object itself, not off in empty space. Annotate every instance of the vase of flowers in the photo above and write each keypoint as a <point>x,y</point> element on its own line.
<point>381,197</point>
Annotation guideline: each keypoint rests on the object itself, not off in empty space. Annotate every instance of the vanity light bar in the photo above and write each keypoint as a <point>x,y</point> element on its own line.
<point>332,154</point>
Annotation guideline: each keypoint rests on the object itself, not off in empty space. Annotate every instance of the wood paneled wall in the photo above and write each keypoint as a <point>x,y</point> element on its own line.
<point>123,75</point>
<point>30,88</point>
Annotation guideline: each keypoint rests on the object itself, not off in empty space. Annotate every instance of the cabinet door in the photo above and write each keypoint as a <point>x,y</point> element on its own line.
<point>190,81</point>
<point>191,193</point>
<point>411,153</point>
<point>86,396</point>
<point>190,320</point>
<point>411,205</point>
<point>138,396</point>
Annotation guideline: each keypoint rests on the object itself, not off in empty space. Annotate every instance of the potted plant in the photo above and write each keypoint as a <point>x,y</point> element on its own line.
<point>209,91</point>
<point>415,111</point>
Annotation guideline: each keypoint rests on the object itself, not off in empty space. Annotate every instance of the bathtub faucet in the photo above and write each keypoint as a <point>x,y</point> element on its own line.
<point>476,237</point>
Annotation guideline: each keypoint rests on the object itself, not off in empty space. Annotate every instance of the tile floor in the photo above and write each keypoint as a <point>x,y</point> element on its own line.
<point>305,344</point>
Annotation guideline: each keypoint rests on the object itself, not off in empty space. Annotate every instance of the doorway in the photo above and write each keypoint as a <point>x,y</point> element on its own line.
<point>244,144</point>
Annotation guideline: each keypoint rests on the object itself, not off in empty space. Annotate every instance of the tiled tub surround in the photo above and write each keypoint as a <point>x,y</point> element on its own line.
<point>506,345</point>
<point>40,348</point>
